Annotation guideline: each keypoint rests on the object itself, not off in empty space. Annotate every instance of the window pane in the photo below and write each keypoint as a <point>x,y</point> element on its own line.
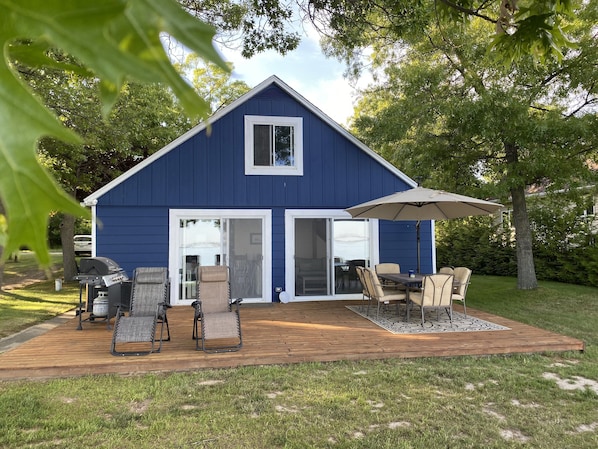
<point>236,242</point>
<point>351,242</point>
<point>311,255</point>
<point>246,257</point>
<point>200,242</point>
<point>284,146</point>
<point>262,145</point>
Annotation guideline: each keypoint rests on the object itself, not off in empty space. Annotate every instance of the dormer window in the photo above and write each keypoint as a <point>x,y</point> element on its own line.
<point>273,145</point>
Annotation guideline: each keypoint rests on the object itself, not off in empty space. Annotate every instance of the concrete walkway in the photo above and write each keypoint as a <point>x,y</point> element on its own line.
<point>15,340</point>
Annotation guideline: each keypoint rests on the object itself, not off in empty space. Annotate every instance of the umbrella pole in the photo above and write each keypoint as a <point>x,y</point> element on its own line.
<point>418,247</point>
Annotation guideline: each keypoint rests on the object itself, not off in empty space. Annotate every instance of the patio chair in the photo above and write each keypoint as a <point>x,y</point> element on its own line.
<point>463,276</point>
<point>436,293</point>
<point>447,270</point>
<point>389,268</point>
<point>380,294</point>
<point>149,301</point>
<point>214,310</point>
<point>364,290</point>
<point>352,272</point>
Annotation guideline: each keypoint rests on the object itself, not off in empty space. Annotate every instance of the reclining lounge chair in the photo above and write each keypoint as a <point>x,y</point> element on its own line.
<point>214,310</point>
<point>149,300</point>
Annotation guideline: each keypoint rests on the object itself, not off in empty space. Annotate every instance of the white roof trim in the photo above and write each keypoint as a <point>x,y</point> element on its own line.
<point>92,199</point>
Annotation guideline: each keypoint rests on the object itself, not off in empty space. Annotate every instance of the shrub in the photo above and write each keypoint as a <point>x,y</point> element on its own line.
<point>564,247</point>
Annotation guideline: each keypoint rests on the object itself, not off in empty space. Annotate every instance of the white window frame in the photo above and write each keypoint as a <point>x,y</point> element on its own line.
<point>296,123</point>
<point>289,219</point>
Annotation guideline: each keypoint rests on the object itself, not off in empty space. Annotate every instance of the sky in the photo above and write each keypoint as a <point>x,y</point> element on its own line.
<point>306,70</point>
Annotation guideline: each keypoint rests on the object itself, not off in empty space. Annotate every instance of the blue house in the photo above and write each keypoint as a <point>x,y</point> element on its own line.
<point>262,189</point>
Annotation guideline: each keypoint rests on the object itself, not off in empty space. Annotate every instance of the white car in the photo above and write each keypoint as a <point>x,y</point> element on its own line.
<point>82,245</point>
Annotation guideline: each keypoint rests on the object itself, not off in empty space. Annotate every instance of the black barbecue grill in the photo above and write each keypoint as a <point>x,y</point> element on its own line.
<point>103,279</point>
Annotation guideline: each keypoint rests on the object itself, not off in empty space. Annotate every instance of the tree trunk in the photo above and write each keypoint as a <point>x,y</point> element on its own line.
<point>67,232</point>
<point>526,270</point>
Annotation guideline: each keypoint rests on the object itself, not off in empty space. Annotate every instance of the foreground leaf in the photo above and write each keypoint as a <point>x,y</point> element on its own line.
<point>115,40</point>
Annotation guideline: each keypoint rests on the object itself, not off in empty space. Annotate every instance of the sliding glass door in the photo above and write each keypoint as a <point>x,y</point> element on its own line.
<point>220,238</point>
<point>323,250</point>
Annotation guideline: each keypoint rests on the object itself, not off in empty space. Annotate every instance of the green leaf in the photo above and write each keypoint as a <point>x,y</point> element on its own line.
<point>115,40</point>
<point>35,54</point>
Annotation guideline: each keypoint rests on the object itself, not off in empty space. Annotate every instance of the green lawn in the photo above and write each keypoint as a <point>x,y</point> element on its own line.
<point>24,307</point>
<point>540,401</point>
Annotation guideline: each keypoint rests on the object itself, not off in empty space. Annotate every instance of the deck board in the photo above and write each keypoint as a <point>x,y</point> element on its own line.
<point>272,334</point>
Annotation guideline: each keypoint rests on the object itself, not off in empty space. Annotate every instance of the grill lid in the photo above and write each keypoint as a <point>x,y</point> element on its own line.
<point>99,266</point>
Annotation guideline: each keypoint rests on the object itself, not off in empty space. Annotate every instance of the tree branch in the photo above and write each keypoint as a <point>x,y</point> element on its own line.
<point>468,11</point>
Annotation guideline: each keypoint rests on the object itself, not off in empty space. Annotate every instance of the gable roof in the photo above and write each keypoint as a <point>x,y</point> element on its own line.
<point>273,80</point>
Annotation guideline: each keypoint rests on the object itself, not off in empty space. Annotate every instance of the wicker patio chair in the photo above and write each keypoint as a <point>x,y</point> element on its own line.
<point>436,293</point>
<point>463,276</point>
<point>381,295</point>
<point>389,268</point>
<point>149,301</point>
<point>364,290</point>
<point>220,321</point>
<point>446,270</point>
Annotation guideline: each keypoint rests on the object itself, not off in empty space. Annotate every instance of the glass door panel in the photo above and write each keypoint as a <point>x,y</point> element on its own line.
<point>311,257</point>
<point>200,244</point>
<point>236,242</point>
<point>351,248</point>
<point>245,257</point>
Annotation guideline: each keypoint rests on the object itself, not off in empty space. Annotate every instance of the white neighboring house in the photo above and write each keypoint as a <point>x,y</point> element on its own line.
<point>535,194</point>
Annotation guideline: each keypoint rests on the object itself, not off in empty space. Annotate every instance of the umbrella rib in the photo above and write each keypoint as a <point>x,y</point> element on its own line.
<point>365,211</point>
<point>482,208</point>
<point>398,212</point>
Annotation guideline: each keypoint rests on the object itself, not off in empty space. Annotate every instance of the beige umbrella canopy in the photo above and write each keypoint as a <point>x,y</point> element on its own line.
<point>419,204</point>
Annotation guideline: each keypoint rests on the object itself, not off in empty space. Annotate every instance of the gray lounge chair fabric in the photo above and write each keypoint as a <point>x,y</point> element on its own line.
<point>149,301</point>
<point>214,310</point>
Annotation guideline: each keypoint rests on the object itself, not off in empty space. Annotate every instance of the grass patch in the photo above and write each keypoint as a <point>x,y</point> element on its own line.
<point>544,400</point>
<point>26,267</point>
<point>563,308</point>
<point>492,402</point>
<point>35,303</point>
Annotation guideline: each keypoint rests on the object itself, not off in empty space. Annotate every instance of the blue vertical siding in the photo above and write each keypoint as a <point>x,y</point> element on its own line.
<point>207,172</point>
<point>133,236</point>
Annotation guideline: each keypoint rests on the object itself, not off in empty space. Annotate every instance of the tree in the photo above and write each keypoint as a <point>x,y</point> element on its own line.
<point>447,110</point>
<point>212,83</point>
<point>254,26</point>
<point>519,28</point>
<point>144,119</point>
<point>119,39</point>
<point>114,40</point>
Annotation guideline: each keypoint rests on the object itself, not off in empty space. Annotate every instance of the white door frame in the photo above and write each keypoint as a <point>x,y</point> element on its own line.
<point>175,215</point>
<point>289,225</point>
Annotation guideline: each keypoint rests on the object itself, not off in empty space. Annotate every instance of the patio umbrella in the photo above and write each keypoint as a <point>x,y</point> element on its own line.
<point>420,203</point>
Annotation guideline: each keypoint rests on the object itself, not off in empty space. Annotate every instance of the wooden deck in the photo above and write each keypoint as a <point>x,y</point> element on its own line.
<point>272,334</point>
